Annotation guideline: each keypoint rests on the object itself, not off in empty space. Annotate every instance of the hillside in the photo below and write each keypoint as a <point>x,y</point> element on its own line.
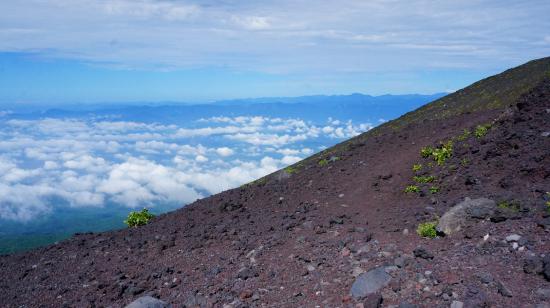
<point>338,229</point>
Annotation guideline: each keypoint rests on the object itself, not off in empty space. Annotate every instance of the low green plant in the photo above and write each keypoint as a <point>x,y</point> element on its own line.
<point>464,162</point>
<point>424,179</point>
<point>426,152</point>
<point>417,167</point>
<point>136,219</point>
<point>427,229</point>
<point>442,153</point>
<point>323,162</point>
<point>412,189</point>
<point>513,205</point>
<point>466,133</point>
<point>291,170</point>
<point>434,189</point>
<point>481,130</point>
<point>548,202</point>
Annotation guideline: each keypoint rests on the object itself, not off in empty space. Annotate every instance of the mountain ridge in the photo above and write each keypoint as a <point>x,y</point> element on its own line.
<point>319,230</point>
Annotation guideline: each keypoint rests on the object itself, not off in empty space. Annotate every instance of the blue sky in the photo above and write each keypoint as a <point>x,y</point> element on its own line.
<point>64,51</point>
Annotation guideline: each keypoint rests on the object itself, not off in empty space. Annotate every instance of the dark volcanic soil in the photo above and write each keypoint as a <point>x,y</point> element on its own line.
<point>299,238</point>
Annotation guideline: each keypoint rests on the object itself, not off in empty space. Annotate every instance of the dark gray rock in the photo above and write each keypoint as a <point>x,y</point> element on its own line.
<point>148,302</point>
<point>457,217</point>
<point>246,273</point>
<point>533,265</point>
<point>543,294</point>
<point>422,253</point>
<point>485,278</point>
<point>195,300</point>
<point>407,305</point>
<point>373,301</point>
<point>546,267</point>
<point>370,282</point>
<point>544,223</point>
<point>503,290</point>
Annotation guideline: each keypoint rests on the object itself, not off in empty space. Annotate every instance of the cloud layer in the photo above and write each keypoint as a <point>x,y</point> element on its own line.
<point>96,162</point>
<point>281,36</point>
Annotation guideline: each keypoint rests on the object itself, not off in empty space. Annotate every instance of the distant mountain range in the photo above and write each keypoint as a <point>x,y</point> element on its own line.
<point>356,107</point>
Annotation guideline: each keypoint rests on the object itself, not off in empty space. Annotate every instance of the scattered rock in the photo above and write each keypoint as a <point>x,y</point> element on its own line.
<point>422,253</point>
<point>406,305</point>
<point>503,290</point>
<point>246,273</point>
<point>373,301</point>
<point>533,265</point>
<point>457,217</point>
<point>485,278</point>
<point>148,302</point>
<point>543,294</point>
<point>513,238</point>
<point>457,304</point>
<point>370,282</point>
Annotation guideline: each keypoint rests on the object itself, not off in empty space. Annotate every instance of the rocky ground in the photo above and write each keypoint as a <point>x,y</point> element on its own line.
<point>337,230</point>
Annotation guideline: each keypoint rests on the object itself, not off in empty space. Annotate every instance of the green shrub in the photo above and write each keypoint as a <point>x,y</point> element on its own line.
<point>291,170</point>
<point>136,219</point>
<point>464,162</point>
<point>513,205</point>
<point>434,189</point>
<point>323,162</point>
<point>481,130</point>
<point>548,202</point>
<point>442,153</point>
<point>417,167</point>
<point>412,189</point>
<point>424,179</point>
<point>465,135</point>
<point>427,229</point>
<point>426,152</point>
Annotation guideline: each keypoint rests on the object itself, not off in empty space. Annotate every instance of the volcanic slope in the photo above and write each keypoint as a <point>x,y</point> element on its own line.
<point>303,236</point>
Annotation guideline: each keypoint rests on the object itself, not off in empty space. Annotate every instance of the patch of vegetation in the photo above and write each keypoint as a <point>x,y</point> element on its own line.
<point>293,169</point>
<point>513,205</point>
<point>464,162</point>
<point>442,153</point>
<point>481,130</point>
<point>424,179</point>
<point>412,189</point>
<point>323,162</point>
<point>548,202</point>
<point>434,189</point>
<point>426,152</point>
<point>427,229</point>
<point>136,219</point>
<point>417,167</point>
<point>466,133</point>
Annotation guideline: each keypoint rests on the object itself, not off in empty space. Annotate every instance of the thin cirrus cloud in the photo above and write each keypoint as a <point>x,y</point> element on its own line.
<point>280,36</point>
<point>97,163</point>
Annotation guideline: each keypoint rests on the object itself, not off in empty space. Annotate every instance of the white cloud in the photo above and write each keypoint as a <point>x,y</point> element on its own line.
<point>225,151</point>
<point>97,163</point>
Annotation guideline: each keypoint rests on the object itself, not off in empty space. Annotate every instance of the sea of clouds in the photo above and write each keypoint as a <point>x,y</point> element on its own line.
<point>101,161</point>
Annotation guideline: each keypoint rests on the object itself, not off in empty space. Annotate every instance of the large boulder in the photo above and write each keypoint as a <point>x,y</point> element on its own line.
<point>148,302</point>
<point>370,282</point>
<point>460,215</point>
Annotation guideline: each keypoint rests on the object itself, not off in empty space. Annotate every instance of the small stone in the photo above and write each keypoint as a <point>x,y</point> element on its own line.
<point>148,302</point>
<point>422,253</point>
<point>370,283</point>
<point>513,238</point>
<point>310,268</point>
<point>345,252</point>
<point>457,304</point>
<point>543,293</point>
<point>405,231</point>
<point>503,290</point>
<point>532,265</point>
<point>373,301</point>
<point>515,245</point>
<point>485,278</point>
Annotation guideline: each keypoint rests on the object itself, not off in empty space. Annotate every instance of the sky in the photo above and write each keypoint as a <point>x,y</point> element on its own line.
<point>87,51</point>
